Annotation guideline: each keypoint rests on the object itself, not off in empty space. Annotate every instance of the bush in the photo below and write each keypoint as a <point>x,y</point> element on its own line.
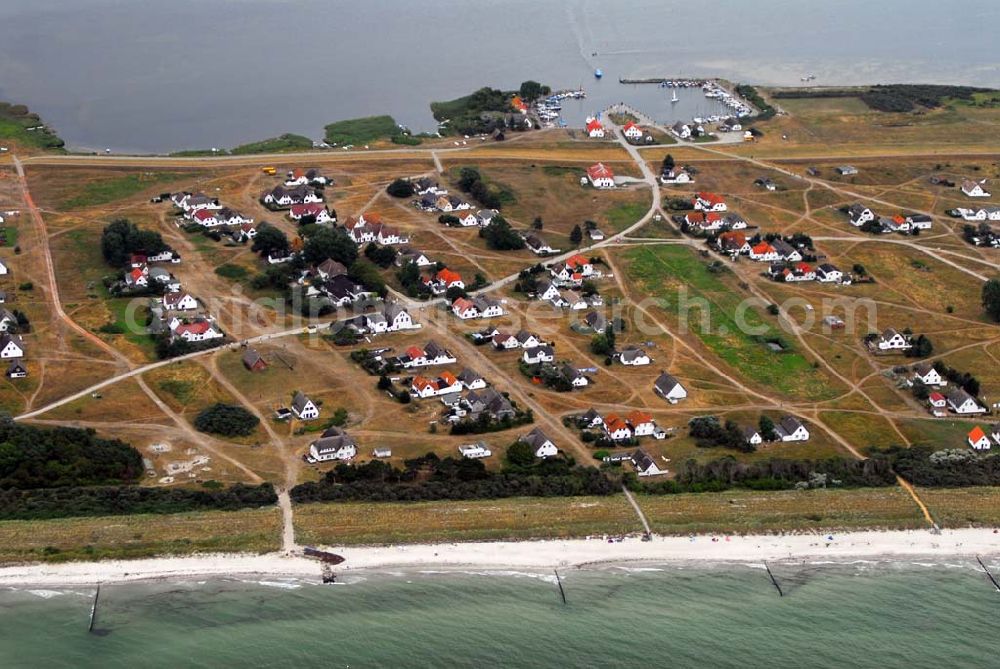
<point>401,188</point>
<point>226,419</point>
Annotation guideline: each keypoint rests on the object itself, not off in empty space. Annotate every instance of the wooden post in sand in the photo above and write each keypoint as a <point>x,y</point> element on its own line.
<point>562,593</point>
<point>774,581</point>
<point>986,569</point>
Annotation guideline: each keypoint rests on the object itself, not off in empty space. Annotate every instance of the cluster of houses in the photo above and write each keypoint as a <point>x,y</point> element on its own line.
<point>369,227</point>
<point>540,444</point>
<point>434,198</point>
<point>209,213</point>
<point>388,317</point>
<point>477,403</point>
<point>330,279</point>
<point>861,216</point>
<point>177,312</point>
<point>802,271</point>
<point>633,425</point>
<point>940,402</point>
<point>977,214</point>
<point>478,307</point>
<point>12,347</point>
<point>284,197</point>
<point>787,428</point>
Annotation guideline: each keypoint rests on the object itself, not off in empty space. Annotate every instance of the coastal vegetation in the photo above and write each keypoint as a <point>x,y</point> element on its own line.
<point>892,97</point>
<point>121,238</point>
<point>749,93</point>
<point>122,537</point>
<point>284,143</point>
<point>19,124</point>
<point>362,130</point>
<point>482,111</point>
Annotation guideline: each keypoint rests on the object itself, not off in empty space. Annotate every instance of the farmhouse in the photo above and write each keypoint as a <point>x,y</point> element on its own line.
<point>617,428</point>
<point>634,357</point>
<point>632,131</point>
<point>536,354</point>
<point>596,321</point>
<point>318,210</point>
<point>669,388</point>
<point>431,354</point>
<point>681,130</point>
<point>445,384</point>
<point>963,403</point>
<point>310,177</point>
<point>504,341</point>
<point>975,188</point>
<point>706,201</point>
<point>11,346</point>
<point>527,340</point>
<point>733,243</point>
<point>891,340</point>
<point>538,246</point>
<point>179,302</point>
<point>490,402</point>
<point>764,252</point>
<point>786,251</point>
<point>641,422</point>
<point>919,221</point>
<point>591,418</point>
<point>752,436</point>
<point>253,360</point>
<point>540,443</point>
<point>645,465</point>
<point>978,440</point>
<point>937,403</point>
<point>790,428</point>
<point>575,377</point>
<point>281,197</point>
<point>303,407</point>
<point>594,129</point>
<point>601,176</point>
<point>927,375</point>
<point>846,170</point>
<point>334,444</point>
<point>675,176</point>
<point>827,273</point>
<point>475,451</point>
<point>16,370</point>
<point>860,214</point>
<point>471,380</point>
<point>197,329</point>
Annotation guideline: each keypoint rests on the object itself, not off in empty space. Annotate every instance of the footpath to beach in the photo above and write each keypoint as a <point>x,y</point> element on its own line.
<point>563,554</point>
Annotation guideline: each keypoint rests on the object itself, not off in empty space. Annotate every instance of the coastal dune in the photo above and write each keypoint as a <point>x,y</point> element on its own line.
<point>563,554</point>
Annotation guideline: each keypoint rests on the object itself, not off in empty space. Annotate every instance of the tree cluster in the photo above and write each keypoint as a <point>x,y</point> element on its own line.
<point>226,419</point>
<point>710,433</point>
<point>500,236</point>
<point>121,238</point>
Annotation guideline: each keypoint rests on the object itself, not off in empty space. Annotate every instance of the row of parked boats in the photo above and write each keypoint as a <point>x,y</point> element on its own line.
<point>716,92</point>
<point>548,110</point>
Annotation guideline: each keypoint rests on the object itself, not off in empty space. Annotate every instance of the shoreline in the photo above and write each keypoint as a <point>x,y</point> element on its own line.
<point>531,555</point>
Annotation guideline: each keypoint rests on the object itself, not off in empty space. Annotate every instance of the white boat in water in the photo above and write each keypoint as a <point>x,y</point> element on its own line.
<point>674,98</point>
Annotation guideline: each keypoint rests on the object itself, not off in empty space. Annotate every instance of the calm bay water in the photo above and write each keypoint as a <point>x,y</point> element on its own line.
<point>153,76</point>
<point>859,614</point>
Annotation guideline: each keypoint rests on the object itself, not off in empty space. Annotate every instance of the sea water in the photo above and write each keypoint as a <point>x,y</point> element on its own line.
<point>149,75</point>
<point>857,614</point>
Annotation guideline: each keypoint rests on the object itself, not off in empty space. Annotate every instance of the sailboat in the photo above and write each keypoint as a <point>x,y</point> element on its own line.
<point>674,98</point>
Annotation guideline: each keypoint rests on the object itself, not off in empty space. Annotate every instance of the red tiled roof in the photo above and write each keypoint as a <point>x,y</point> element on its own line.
<point>936,397</point>
<point>636,417</point>
<point>711,198</point>
<point>976,434</point>
<point>600,171</point>
<point>594,125</point>
<point>762,248</point>
<point>197,327</point>
<point>577,261</point>
<point>448,277</point>
<point>204,214</point>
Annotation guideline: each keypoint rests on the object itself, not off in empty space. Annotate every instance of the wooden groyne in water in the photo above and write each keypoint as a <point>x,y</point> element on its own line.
<point>774,581</point>
<point>93,609</point>
<point>562,593</point>
<point>988,573</point>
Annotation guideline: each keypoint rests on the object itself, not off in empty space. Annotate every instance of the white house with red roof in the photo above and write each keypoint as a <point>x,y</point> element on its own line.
<point>978,439</point>
<point>137,278</point>
<point>595,130</point>
<point>764,252</point>
<point>443,280</point>
<point>632,131</point>
<point>199,329</point>
<point>938,404</point>
<point>601,176</point>
<point>445,384</point>
<point>315,209</point>
<point>706,201</point>
<point>464,309</point>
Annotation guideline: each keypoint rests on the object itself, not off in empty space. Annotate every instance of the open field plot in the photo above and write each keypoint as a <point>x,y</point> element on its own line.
<point>74,188</point>
<point>140,536</point>
<point>937,433</point>
<point>123,402</point>
<point>816,124</point>
<point>963,507</point>
<point>863,430</point>
<point>350,523</point>
<point>740,512</point>
<point>670,272</point>
<point>554,193</point>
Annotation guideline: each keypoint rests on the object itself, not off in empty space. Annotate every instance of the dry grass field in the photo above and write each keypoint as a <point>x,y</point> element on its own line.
<point>340,524</point>
<point>737,512</point>
<point>131,537</point>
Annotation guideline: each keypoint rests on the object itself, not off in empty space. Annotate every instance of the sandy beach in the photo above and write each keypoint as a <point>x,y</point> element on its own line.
<point>565,554</point>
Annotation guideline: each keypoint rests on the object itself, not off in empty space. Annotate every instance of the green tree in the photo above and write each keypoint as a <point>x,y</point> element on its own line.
<point>330,243</point>
<point>226,419</point>
<point>500,236</point>
<point>520,454</point>
<point>532,90</point>
<point>270,241</point>
<point>408,274</point>
<point>468,176</point>
<point>367,274</point>
<point>400,188</point>
<point>668,163</point>
<point>991,298</point>
<point>766,428</point>
<point>121,238</point>
<point>576,235</point>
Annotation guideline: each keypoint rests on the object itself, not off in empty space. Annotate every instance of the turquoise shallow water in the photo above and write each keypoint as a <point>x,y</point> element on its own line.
<point>833,615</point>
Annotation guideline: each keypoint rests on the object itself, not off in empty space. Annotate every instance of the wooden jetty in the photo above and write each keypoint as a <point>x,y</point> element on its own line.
<point>93,609</point>
<point>774,581</point>
<point>988,573</point>
<point>562,593</point>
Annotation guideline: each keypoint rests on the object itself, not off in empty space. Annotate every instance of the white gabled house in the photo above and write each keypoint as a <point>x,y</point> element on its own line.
<point>860,214</point>
<point>601,176</point>
<point>179,302</point>
<point>304,408</point>
<point>963,403</point>
<point>975,188</point>
<point>537,354</point>
<point>978,440</point>
<point>542,446</point>
<point>790,428</point>
<point>892,340</point>
<point>634,357</point>
<point>11,346</point>
<point>669,388</point>
<point>928,375</point>
<point>645,465</point>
